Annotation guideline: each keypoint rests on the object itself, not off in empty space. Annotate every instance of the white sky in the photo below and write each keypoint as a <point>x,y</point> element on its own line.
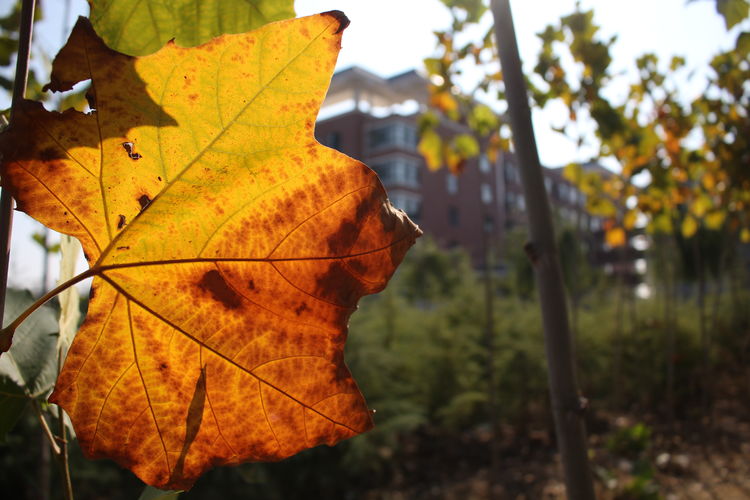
<point>392,36</point>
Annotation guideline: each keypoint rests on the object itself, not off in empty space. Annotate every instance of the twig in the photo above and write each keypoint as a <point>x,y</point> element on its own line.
<point>6,334</point>
<point>19,92</point>
<point>45,427</point>
<point>63,455</point>
<point>566,403</point>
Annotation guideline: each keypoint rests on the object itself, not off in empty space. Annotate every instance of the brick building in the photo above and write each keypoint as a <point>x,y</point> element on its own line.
<point>374,119</point>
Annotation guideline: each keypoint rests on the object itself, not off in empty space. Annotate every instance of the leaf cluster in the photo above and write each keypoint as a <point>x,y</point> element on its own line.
<point>481,124</point>
<point>667,178</point>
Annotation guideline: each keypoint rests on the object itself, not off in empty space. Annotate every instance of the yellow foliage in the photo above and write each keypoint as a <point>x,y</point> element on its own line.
<point>701,205</point>
<point>572,172</point>
<point>600,207</point>
<point>615,237</point>
<point>689,226</point>
<point>715,219</point>
<point>444,101</point>
<point>431,148</point>
<point>629,220</point>
<point>709,181</point>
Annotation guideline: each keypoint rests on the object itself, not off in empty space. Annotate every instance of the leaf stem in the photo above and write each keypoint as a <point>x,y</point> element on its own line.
<point>19,92</point>
<point>45,427</point>
<point>6,334</point>
<point>63,455</point>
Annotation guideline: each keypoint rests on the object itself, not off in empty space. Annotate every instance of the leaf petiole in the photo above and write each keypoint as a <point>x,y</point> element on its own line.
<point>6,334</point>
<point>45,427</point>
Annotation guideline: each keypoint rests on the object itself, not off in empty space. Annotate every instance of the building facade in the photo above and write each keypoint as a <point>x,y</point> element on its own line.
<point>374,120</point>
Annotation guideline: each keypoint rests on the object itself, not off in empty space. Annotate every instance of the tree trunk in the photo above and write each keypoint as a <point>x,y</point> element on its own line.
<point>566,402</point>
<point>489,332</point>
<point>617,334</point>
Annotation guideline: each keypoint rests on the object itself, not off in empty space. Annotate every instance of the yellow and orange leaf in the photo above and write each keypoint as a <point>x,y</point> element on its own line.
<point>689,226</point>
<point>615,237</point>
<point>229,248</point>
<point>431,147</point>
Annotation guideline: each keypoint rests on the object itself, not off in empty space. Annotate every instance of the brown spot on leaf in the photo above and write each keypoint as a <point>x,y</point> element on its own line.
<point>339,17</point>
<point>301,308</point>
<point>357,266</point>
<point>48,153</point>
<point>163,366</point>
<point>338,285</point>
<point>213,282</point>
<point>342,372</point>
<point>251,285</point>
<point>343,238</point>
<point>120,221</point>
<point>348,231</point>
<point>130,150</point>
<point>144,200</point>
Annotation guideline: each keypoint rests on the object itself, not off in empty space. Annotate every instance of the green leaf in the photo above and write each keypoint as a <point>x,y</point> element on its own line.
<point>601,207</point>
<point>11,408</point>
<point>151,493</point>
<point>29,368</point>
<point>733,11</point>
<point>743,44</point>
<point>483,120</point>
<point>466,146</point>
<point>474,8</point>
<point>431,147</point>
<point>141,27</point>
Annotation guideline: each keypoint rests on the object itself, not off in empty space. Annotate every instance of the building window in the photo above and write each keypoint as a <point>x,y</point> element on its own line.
<point>398,171</point>
<point>332,140</point>
<point>397,134</point>
<point>408,202</point>
<point>484,163</point>
<point>451,183</point>
<point>509,174</point>
<point>453,218</point>
<point>520,203</point>
<point>572,194</point>
<point>485,192</point>
<point>489,224</point>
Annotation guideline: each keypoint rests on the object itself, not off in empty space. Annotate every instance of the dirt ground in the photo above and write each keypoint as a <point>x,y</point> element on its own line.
<point>708,460</point>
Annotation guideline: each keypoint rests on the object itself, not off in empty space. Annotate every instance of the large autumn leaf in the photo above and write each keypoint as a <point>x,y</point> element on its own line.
<point>229,247</point>
<point>140,27</point>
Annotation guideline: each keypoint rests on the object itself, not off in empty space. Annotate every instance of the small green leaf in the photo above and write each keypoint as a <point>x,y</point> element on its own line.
<point>733,11</point>
<point>431,147</point>
<point>151,493</point>
<point>29,368</point>
<point>142,27</point>
<point>11,408</point>
<point>466,146</point>
<point>474,8</point>
<point>743,43</point>
<point>483,120</point>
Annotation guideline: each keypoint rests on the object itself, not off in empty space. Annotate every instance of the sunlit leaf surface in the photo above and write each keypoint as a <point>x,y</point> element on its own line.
<point>229,247</point>
<point>141,27</point>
